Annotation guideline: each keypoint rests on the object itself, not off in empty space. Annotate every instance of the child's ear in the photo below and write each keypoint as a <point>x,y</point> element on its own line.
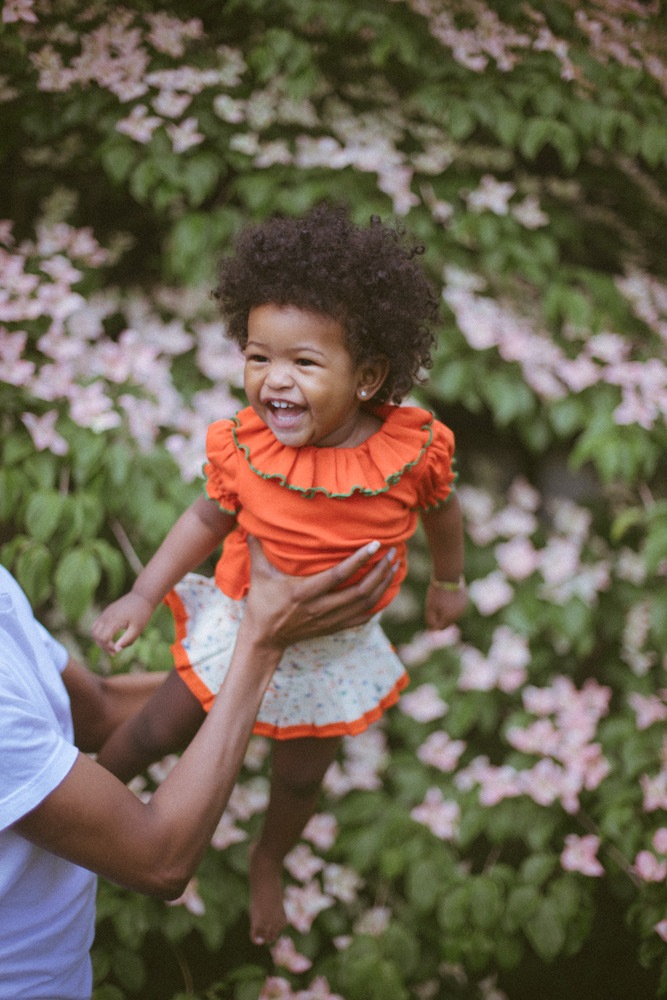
<point>371,377</point>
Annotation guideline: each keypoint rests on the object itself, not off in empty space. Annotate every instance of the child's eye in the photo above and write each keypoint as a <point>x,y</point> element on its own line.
<point>305,362</point>
<point>258,358</point>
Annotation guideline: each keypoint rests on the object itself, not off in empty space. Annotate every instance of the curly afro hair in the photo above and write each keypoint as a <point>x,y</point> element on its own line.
<point>366,278</point>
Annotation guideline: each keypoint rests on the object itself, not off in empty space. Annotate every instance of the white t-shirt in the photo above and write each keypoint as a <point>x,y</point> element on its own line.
<point>47,905</point>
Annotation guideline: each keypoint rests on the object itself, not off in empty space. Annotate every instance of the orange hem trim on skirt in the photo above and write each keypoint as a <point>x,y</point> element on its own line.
<point>334,728</point>
<point>181,659</point>
<point>206,698</point>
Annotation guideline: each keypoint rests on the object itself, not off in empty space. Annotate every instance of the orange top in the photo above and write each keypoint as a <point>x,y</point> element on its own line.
<point>310,507</point>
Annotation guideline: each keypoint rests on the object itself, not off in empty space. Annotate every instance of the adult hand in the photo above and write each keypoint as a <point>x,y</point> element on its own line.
<point>282,609</point>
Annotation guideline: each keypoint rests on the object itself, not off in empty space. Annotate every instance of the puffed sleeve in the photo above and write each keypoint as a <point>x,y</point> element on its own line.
<point>221,465</point>
<point>436,470</point>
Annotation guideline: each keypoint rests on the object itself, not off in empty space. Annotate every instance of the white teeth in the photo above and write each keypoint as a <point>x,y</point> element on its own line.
<point>281,406</point>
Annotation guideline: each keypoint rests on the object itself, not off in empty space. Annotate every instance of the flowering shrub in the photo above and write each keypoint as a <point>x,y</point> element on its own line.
<point>526,767</point>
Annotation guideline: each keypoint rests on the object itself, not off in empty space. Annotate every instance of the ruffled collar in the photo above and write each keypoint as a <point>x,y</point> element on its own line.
<point>370,468</point>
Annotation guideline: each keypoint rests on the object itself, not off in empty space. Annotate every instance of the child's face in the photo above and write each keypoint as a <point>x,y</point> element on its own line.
<point>300,378</point>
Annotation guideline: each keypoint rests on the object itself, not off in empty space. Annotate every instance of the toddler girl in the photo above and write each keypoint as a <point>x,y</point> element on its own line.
<point>335,321</point>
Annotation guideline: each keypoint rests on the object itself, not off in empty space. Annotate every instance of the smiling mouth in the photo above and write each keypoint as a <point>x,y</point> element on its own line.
<point>279,406</point>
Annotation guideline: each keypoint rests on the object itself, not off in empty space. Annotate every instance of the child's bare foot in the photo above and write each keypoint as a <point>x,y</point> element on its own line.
<point>267,914</point>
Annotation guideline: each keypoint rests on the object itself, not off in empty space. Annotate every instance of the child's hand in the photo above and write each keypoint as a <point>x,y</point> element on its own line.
<point>443,607</point>
<point>131,613</point>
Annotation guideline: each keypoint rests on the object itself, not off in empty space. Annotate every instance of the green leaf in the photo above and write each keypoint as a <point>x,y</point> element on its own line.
<point>653,143</point>
<point>625,521</point>
<point>453,912</point>
<point>143,179</point>
<point>200,176</point>
<point>118,157</point>
<point>522,903</point>
<point>12,483</point>
<point>423,884</point>
<point>508,397</point>
<point>655,546</point>
<point>486,902</point>
<point>34,567</point>
<point>536,133</point>
<point>546,931</point>
<point>43,513</point>
<point>77,577</point>
<point>536,869</point>
<point>129,968</point>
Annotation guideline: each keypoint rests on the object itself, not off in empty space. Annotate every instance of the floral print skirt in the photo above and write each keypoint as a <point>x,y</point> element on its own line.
<point>332,686</point>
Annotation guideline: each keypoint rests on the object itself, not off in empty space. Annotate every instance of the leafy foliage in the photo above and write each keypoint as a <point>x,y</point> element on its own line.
<point>525,145</point>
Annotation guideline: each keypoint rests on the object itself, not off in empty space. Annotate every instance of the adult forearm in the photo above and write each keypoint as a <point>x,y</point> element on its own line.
<point>185,810</point>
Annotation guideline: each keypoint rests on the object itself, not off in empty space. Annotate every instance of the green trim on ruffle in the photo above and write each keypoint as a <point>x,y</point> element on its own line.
<point>225,510</point>
<point>311,491</point>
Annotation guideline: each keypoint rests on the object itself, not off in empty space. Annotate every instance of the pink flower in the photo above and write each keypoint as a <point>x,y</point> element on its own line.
<point>424,643</point>
<point>440,751</point>
<point>257,752</point>
<point>185,135</point>
<point>342,883</point>
<point>661,929</point>
<point>579,853</point>
<point>227,833</point>
<point>440,816</point>
<point>655,791</point>
<point>43,432</point>
<point>190,899</point>
<point>248,799</point>
<point>14,370</point>
<point>303,903</point>
<point>171,105</point>
<point>321,830</point>
<point>302,864</point>
<point>139,125</point>
<point>276,988</point>
<point>648,709</point>
<point>660,840</point>
<point>540,737</point>
<point>373,922</point>
<point>544,782</point>
<point>284,953</point>
<point>319,989</point>
<point>168,34</point>
<point>90,406</point>
<point>18,10</point>
<point>491,593</point>
<point>424,704</point>
<point>649,868</point>
<point>529,213</point>
<point>492,195</point>
<point>517,558</point>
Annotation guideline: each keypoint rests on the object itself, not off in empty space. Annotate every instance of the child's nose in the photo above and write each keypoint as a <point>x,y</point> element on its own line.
<point>279,375</point>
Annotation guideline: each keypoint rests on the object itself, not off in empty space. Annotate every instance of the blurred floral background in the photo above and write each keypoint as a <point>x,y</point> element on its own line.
<point>502,834</point>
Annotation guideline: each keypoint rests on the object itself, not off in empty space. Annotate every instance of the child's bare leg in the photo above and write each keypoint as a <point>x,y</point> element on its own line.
<point>166,724</point>
<point>298,767</point>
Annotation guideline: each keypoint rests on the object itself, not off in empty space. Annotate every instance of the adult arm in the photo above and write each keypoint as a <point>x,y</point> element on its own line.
<point>93,820</point>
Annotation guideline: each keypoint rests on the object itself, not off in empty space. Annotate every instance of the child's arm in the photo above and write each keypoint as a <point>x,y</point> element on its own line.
<point>447,597</point>
<point>195,535</point>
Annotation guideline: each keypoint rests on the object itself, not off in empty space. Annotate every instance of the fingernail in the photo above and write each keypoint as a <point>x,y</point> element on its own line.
<point>372,547</point>
<point>391,553</point>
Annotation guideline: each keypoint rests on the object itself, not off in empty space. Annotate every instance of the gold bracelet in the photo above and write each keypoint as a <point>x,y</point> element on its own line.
<point>448,585</point>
